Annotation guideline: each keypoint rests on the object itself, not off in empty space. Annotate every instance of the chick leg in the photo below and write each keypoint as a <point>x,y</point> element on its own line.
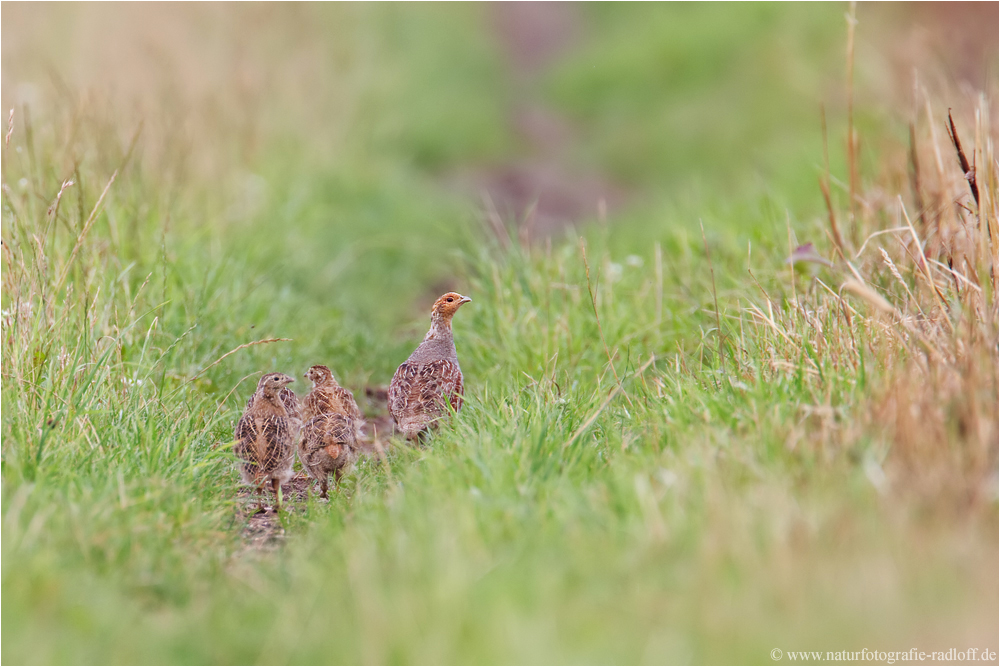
<point>276,486</point>
<point>260,499</point>
<point>323,487</point>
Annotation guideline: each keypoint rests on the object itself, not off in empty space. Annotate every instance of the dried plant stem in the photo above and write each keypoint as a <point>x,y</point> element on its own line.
<point>969,171</point>
<point>715,298</point>
<point>879,233</point>
<point>915,184</point>
<point>232,351</point>
<point>83,233</point>
<point>658,261</point>
<point>895,272</point>
<point>593,302</point>
<point>926,269</point>
<point>852,166</point>
<point>824,185</point>
<point>607,401</point>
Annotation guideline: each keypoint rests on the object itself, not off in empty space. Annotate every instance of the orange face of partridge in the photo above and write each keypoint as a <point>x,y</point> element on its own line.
<point>446,306</point>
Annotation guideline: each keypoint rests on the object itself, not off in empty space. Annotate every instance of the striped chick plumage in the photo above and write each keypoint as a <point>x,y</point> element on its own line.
<point>287,398</point>
<point>333,424</point>
<point>266,435</point>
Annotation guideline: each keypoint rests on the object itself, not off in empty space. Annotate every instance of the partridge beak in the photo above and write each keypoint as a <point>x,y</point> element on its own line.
<point>464,299</point>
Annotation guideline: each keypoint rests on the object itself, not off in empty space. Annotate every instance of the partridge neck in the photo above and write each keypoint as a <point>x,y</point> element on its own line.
<point>328,383</point>
<point>270,401</point>
<point>438,343</point>
<point>440,329</point>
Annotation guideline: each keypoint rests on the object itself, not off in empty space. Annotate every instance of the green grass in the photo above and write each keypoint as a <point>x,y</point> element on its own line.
<point>800,484</point>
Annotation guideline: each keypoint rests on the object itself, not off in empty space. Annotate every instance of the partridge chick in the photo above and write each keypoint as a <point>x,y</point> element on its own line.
<point>328,396</point>
<point>431,375</point>
<point>266,435</point>
<point>333,425</point>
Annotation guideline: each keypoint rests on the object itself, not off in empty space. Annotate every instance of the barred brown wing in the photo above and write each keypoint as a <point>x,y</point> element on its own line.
<point>422,390</point>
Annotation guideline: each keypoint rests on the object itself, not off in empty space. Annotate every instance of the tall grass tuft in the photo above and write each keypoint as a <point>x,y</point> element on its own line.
<point>909,314</point>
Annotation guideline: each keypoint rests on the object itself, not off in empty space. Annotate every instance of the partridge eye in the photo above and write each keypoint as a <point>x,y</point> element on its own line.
<point>450,299</point>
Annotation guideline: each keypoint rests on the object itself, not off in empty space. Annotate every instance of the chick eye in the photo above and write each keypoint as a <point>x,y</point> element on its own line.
<point>450,299</point>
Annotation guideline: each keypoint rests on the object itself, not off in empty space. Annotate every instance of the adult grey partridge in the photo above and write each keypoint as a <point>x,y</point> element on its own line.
<point>333,423</point>
<point>431,376</point>
<point>266,435</point>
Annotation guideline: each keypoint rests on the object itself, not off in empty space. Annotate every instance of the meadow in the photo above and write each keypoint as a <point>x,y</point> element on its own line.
<point>734,390</point>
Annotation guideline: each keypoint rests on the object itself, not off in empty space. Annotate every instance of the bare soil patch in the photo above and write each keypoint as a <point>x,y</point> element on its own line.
<point>544,190</point>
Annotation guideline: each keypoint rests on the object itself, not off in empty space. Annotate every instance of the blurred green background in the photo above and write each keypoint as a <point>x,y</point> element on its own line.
<point>391,131</point>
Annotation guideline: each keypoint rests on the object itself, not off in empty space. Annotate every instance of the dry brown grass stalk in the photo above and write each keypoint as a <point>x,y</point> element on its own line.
<point>824,185</point>
<point>83,234</point>
<point>968,171</point>
<point>715,297</point>
<point>593,302</point>
<point>927,335</point>
<point>236,349</point>
<point>604,404</point>
<point>852,137</point>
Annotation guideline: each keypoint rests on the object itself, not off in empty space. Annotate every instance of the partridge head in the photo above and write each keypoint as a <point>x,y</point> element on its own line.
<point>271,384</point>
<point>447,305</point>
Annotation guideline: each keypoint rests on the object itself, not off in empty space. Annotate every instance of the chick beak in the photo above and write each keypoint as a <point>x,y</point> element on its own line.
<point>464,299</point>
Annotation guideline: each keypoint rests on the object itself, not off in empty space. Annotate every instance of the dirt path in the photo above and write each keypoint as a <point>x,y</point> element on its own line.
<point>542,191</point>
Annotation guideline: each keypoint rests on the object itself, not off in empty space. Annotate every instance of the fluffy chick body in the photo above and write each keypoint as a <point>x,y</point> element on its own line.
<point>266,435</point>
<point>431,378</point>
<point>332,428</point>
